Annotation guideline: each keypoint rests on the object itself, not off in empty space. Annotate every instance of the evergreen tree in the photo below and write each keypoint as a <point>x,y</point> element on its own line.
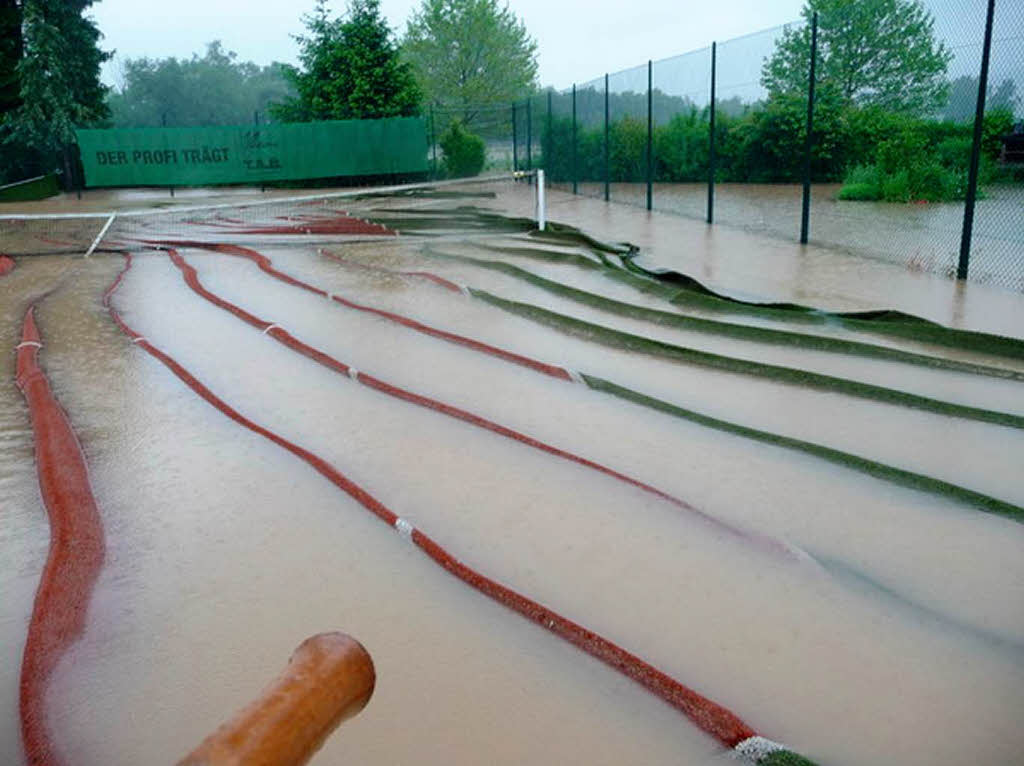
<point>350,69</point>
<point>11,51</point>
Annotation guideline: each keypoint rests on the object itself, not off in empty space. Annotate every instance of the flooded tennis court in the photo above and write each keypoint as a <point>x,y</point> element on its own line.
<point>811,518</point>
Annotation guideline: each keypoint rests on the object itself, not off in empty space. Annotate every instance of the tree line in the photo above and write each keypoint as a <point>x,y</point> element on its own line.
<point>882,77</point>
<point>888,123</point>
<point>353,65</point>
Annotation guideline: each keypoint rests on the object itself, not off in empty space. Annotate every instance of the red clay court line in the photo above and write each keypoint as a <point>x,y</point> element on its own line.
<point>76,547</point>
<point>328,223</point>
<point>281,335</point>
<point>447,284</point>
<point>267,266</point>
<point>712,718</point>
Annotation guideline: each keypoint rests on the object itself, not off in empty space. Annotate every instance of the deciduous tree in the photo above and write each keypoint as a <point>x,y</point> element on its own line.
<point>470,53</point>
<point>59,85</point>
<point>870,53</point>
<point>214,89</point>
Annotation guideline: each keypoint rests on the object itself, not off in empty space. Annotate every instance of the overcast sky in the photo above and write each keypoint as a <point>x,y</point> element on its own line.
<point>578,39</point>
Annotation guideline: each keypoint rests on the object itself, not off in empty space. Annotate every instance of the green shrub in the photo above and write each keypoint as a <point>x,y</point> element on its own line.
<point>863,182</point>
<point>882,154</point>
<point>864,174</point>
<point>953,153</point>
<point>997,123</point>
<point>860,192</point>
<point>896,187</point>
<point>628,150</point>
<point>934,183</point>
<point>681,148</point>
<point>464,152</point>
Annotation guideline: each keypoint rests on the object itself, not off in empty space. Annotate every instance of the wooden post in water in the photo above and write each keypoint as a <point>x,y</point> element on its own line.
<point>329,678</point>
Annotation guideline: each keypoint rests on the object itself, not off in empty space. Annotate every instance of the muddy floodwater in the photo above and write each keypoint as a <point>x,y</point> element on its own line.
<point>918,236</point>
<point>894,635</point>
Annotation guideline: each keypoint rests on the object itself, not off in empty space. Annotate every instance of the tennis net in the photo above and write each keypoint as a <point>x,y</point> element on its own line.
<point>499,204</point>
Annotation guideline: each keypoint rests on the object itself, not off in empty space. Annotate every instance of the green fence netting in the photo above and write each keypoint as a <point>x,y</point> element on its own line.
<point>254,153</point>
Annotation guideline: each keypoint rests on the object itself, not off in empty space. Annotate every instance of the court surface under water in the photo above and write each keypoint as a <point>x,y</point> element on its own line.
<point>858,617</point>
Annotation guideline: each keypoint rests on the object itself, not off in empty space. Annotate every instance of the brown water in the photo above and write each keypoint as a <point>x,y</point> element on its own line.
<point>224,551</point>
<point>919,237</point>
<point>751,265</point>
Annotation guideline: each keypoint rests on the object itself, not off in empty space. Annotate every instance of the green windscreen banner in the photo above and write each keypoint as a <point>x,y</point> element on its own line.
<point>243,154</point>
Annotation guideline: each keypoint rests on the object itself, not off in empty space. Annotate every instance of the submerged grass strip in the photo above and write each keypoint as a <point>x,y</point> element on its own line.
<point>866,466</point>
<point>873,468</point>
<point>617,261</point>
<point>638,343</point>
<point>682,290</point>
<point>728,329</point>
<point>785,758</point>
<point>688,291</point>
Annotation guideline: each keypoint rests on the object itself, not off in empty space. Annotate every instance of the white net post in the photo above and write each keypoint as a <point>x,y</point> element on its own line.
<point>99,237</point>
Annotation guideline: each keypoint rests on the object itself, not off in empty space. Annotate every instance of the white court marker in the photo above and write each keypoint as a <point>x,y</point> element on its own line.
<point>574,376</point>
<point>139,339</point>
<point>26,343</point>
<point>353,373</point>
<point>404,528</point>
<point>756,749</point>
<point>270,327</point>
<point>465,291</point>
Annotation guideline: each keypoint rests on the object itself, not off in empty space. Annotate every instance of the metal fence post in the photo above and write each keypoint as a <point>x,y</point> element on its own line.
<point>548,138</point>
<point>529,134</point>
<point>650,137</point>
<point>163,123</point>
<point>972,173</point>
<point>433,142</point>
<point>68,181</point>
<point>711,139</point>
<point>575,174</point>
<point>607,137</point>
<point>805,214</point>
<point>515,139</point>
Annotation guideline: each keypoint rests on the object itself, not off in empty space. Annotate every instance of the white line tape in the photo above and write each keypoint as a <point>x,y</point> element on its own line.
<point>139,339</point>
<point>404,528</point>
<point>26,343</point>
<point>465,291</point>
<point>353,373</point>
<point>270,327</point>
<point>574,376</point>
<point>756,749</point>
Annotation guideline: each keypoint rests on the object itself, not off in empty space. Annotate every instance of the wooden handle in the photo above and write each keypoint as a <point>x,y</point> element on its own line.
<point>329,678</point>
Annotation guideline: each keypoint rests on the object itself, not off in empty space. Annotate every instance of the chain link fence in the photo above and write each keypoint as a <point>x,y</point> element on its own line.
<point>879,158</point>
